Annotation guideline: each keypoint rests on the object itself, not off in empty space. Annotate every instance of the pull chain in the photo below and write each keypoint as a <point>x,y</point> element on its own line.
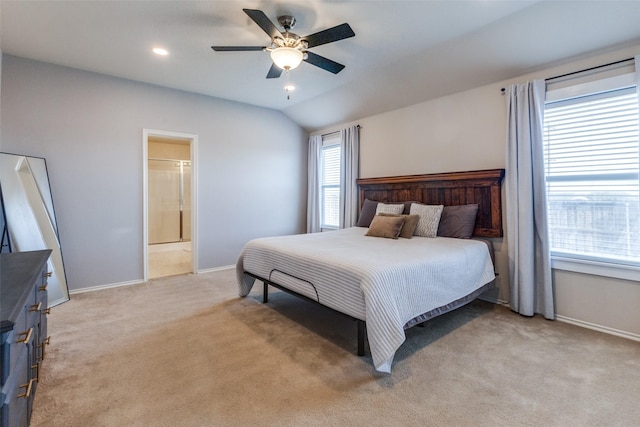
<point>288,86</point>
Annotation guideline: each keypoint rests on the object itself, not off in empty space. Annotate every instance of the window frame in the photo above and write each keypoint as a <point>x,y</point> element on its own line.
<point>587,265</point>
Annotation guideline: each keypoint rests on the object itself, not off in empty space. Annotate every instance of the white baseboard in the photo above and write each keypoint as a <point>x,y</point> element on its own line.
<point>576,322</point>
<point>599,328</point>
<point>494,300</point>
<point>109,286</point>
<point>140,282</point>
<point>211,270</point>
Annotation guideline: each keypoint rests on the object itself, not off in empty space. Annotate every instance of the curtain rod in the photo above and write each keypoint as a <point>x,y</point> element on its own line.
<point>582,71</point>
<point>336,131</point>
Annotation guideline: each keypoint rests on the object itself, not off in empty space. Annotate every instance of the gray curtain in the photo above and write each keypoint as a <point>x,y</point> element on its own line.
<point>530,283</point>
<point>637,65</point>
<point>313,184</point>
<point>349,172</point>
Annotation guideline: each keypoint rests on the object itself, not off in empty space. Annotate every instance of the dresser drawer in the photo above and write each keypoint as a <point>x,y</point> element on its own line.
<point>18,392</point>
<point>42,338</point>
<point>12,343</point>
<point>12,417</point>
<point>37,317</point>
<point>23,328</point>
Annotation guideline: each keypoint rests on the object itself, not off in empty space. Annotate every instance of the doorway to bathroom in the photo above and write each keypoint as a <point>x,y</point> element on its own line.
<point>169,204</point>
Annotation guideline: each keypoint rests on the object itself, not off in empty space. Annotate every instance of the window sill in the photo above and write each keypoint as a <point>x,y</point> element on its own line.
<point>596,268</point>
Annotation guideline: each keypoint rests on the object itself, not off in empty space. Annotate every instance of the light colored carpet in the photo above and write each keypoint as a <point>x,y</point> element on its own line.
<point>186,351</point>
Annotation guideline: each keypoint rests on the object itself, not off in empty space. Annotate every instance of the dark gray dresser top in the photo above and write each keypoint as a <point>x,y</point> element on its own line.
<point>18,270</point>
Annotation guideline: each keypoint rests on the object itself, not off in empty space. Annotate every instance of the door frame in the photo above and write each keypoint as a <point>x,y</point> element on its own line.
<point>193,146</point>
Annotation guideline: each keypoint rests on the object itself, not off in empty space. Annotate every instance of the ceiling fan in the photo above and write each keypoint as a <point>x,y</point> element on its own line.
<point>287,49</point>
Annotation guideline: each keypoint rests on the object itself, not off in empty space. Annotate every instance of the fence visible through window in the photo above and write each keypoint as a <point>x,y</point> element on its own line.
<point>595,228</point>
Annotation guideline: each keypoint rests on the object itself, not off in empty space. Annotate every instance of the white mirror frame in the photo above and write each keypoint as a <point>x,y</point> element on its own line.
<point>30,217</point>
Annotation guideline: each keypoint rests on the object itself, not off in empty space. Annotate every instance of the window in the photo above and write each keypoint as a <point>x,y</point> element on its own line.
<point>592,160</point>
<point>330,182</point>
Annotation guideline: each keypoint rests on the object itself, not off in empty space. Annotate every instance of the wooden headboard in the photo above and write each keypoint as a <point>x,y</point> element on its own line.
<point>450,189</point>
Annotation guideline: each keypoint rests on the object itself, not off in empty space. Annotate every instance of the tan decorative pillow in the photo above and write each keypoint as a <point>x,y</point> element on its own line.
<point>385,226</point>
<point>409,225</point>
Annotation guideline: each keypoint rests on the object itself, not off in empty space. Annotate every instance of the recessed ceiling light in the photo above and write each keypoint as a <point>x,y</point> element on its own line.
<point>160,51</point>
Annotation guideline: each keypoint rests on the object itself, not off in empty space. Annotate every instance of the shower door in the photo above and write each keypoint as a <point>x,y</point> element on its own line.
<point>186,202</point>
<point>169,201</point>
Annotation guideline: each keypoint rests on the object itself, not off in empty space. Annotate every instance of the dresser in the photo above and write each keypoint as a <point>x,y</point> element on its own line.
<point>23,329</point>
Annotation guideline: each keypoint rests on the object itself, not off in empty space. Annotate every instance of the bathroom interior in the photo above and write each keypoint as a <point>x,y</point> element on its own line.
<point>169,207</point>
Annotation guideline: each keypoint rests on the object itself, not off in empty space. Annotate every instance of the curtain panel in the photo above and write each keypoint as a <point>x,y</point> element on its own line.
<point>313,184</point>
<point>636,63</point>
<point>531,289</point>
<point>349,172</point>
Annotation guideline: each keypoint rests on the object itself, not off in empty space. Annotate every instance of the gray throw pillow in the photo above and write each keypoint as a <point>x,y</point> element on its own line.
<point>458,221</point>
<point>367,212</point>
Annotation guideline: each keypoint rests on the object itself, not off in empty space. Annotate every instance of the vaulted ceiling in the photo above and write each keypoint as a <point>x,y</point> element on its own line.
<point>404,52</point>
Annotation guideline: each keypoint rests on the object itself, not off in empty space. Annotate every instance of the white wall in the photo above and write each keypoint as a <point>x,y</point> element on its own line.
<point>466,131</point>
<point>88,127</point>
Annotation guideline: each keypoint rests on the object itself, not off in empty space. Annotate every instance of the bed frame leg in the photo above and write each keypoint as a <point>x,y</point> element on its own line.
<point>361,332</point>
<point>265,292</point>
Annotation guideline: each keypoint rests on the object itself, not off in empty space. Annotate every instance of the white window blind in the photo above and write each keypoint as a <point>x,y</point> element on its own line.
<point>330,184</point>
<point>592,162</point>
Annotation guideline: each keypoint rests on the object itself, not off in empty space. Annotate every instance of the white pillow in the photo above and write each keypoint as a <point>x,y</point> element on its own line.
<point>389,208</point>
<point>429,219</point>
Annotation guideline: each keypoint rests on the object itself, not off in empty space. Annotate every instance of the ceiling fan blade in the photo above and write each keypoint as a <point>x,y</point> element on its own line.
<point>330,35</point>
<point>274,72</point>
<point>324,63</point>
<point>263,22</point>
<point>237,48</point>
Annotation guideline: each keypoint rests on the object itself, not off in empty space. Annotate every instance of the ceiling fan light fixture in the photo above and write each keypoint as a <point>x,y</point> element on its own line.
<point>286,58</point>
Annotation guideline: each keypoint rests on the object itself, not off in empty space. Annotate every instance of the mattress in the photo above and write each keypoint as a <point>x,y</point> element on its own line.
<point>385,282</point>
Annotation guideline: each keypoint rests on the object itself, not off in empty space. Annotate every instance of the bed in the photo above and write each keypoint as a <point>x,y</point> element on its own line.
<point>387,284</point>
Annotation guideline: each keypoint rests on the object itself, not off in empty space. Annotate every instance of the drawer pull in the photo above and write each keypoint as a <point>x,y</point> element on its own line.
<point>37,368</point>
<point>48,274</point>
<point>43,287</point>
<point>27,336</point>
<point>36,307</point>
<point>27,392</point>
<point>46,311</point>
<point>42,345</point>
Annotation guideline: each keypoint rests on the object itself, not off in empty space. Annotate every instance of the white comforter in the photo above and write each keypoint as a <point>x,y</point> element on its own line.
<point>385,282</point>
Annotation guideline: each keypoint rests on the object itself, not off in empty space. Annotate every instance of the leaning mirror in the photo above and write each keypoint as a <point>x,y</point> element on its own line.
<point>29,221</point>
